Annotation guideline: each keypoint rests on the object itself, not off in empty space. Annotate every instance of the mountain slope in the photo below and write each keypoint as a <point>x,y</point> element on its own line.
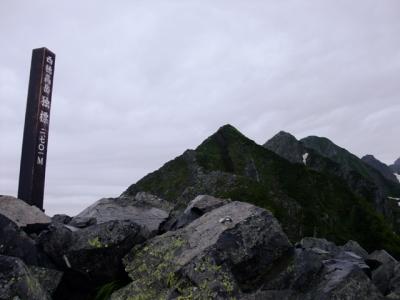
<point>380,166</point>
<point>350,164</point>
<point>396,166</point>
<point>323,160</point>
<point>286,145</point>
<point>227,164</point>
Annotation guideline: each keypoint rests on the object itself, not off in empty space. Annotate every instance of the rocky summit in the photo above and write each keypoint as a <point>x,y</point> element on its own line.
<point>230,219</point>
<point>396,166</point>
<point>225,250</point>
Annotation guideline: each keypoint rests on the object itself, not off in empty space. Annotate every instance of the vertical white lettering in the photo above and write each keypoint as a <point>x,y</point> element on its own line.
<point>40,161</point>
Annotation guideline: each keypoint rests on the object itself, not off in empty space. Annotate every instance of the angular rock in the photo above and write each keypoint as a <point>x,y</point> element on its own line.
<point>384,277</point>
<point>82,222</point>
<point>17,282</point>
<point>15,242</point>
<point>198,207</point>
<point>143,209</point>
<point>354,259</point>
<point>22,213</point>
<point>355,247</point>
<point>95,251</point>
<point>49,279</point>
<point>217,256</point>
<point>55,242</point>
<point>300,274</point>
<point>323,244</point>
<point>205,203</point>
<point>314,273</point>
<point>342,279</point>
<point>387,279</point>
<point>61,218</point>
<point>382,256</point>
<point>383,267</point>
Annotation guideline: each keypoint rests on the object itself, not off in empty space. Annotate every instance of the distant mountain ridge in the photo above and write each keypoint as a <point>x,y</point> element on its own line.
<point>385,170</point>
<point>326,157</point>
<point>396,166</point>
<point>306,201</point>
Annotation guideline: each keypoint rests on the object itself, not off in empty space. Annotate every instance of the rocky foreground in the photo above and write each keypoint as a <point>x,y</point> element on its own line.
<point>142,248</point>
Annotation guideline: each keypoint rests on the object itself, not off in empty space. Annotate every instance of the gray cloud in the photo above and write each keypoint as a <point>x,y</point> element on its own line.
<point>138,82</point>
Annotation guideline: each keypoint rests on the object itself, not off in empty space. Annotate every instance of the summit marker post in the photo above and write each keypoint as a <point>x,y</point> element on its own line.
<point>36,129</point>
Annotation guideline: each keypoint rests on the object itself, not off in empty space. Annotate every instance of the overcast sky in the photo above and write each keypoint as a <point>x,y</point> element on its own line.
<point>138,82</point>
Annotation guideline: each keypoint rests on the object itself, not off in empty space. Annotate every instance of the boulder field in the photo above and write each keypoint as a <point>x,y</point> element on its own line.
<point>141,247</point>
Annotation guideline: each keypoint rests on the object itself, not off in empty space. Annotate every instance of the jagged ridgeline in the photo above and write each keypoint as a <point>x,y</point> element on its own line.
<point>308,201</point>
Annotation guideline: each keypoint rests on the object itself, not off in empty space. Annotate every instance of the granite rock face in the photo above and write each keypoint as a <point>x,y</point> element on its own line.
<point>144,209</point>
<point>61,218</point>
<point>17,243</point>
<point>321,270</point>
<point>22,214</point>
<point>95,251</point>
<point>239,251</point>
<point>222,249</point>
<point>217,256</point>
<point>17,281</point>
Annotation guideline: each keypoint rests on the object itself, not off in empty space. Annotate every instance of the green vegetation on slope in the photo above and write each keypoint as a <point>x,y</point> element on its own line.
<point>304,201</point>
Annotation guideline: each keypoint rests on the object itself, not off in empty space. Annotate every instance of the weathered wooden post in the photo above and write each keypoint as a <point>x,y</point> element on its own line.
<point>36,129</point>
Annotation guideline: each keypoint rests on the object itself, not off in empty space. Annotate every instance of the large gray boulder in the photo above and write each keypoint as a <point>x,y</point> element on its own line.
<point>17,281</point>
<point>143,209</point>
<point>217,256</point>
<point>15,242</point>
<point>320,270</point>
<point>393,291</point>
<point>382,257</point>
<point>61,218</point>
<point>22,213</point>
<point>95,251</point>
<point>318,243</point>
<point>49,279</point>
<point>386,276</point>
<point>343,279</point>
<point>353,246</point>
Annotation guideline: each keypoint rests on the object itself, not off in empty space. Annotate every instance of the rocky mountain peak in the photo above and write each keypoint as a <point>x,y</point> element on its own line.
<point>379,166</point>
<point>224,136</point>
<point>284,135</point>
<point>322,145</point>
<point>287,146</point>
<point>396,166</point>
<point>228,133</point>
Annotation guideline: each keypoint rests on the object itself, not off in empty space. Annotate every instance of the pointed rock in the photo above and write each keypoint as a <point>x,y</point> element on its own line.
<point>22,213</point>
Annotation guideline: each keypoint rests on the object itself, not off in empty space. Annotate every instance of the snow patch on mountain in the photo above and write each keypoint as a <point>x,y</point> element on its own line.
<point>397,176</point>
<point>305,156</point>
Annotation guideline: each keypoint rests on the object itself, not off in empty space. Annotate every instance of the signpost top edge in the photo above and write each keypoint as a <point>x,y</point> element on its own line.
<point>44,49</point>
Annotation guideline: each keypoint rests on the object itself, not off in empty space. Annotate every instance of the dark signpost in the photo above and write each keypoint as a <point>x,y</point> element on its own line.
<point>36,129</point>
